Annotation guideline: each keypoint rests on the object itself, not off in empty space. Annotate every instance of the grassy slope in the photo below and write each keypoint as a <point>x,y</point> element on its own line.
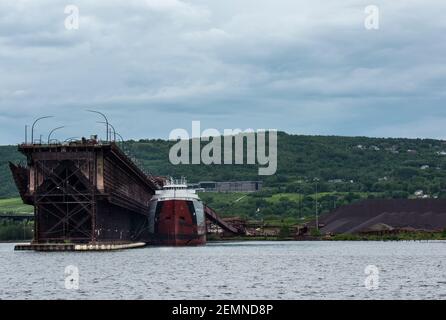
<point>14,205</point>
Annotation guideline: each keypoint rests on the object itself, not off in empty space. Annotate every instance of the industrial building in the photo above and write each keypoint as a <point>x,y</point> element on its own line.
<point>228,186</point>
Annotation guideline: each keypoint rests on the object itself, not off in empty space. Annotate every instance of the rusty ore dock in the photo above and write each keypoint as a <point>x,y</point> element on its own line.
<point>87,195</point>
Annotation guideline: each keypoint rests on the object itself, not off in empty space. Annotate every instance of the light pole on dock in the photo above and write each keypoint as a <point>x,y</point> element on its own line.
<point>112,128</point>
<point>51,132</point>
<point>316,208</point>
<point>106,122</point>
<point>32,127</point>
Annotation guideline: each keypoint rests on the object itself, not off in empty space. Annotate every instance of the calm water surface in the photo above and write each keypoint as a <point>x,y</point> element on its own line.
<point>236,270</point>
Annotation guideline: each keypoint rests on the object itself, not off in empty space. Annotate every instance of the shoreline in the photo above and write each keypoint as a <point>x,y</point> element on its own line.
<point>318,240</point>
<point>434,236</point>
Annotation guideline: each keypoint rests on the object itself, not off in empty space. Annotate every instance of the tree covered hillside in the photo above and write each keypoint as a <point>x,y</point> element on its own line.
<point>7,186</point>
<point>344,168</point>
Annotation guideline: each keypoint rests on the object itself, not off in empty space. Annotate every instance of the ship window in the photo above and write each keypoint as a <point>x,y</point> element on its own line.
<point>182,218</point>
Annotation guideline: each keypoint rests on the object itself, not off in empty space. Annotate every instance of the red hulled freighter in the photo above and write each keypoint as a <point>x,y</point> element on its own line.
<point>176,216</point>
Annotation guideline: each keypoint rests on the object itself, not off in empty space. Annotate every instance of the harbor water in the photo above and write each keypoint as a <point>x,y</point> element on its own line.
<point>231,270</point>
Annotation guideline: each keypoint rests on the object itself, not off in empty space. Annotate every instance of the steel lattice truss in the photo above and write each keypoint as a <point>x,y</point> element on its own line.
<point>64,202</point>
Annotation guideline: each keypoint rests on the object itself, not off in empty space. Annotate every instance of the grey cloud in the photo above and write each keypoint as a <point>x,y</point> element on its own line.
<point>299,66</point>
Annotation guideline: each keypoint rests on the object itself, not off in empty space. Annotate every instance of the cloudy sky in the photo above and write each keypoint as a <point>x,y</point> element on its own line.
<point>307,67</point>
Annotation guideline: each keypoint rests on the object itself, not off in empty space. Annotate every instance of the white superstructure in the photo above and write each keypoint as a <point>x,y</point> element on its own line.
<point>175,190</point>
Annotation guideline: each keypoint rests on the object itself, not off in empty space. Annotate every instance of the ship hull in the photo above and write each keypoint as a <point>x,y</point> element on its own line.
<point>177,223</point>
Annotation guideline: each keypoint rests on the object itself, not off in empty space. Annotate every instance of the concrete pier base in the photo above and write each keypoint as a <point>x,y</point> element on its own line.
<point>77,247</point>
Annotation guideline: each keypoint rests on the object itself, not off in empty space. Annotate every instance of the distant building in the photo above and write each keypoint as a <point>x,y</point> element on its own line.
<point>336,181</point>
<point>228,186</point>
<point>419,193</point>
<point>393,149</point>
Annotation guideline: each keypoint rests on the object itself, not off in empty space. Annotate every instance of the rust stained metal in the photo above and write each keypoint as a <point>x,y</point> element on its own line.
<point>84,192</point>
